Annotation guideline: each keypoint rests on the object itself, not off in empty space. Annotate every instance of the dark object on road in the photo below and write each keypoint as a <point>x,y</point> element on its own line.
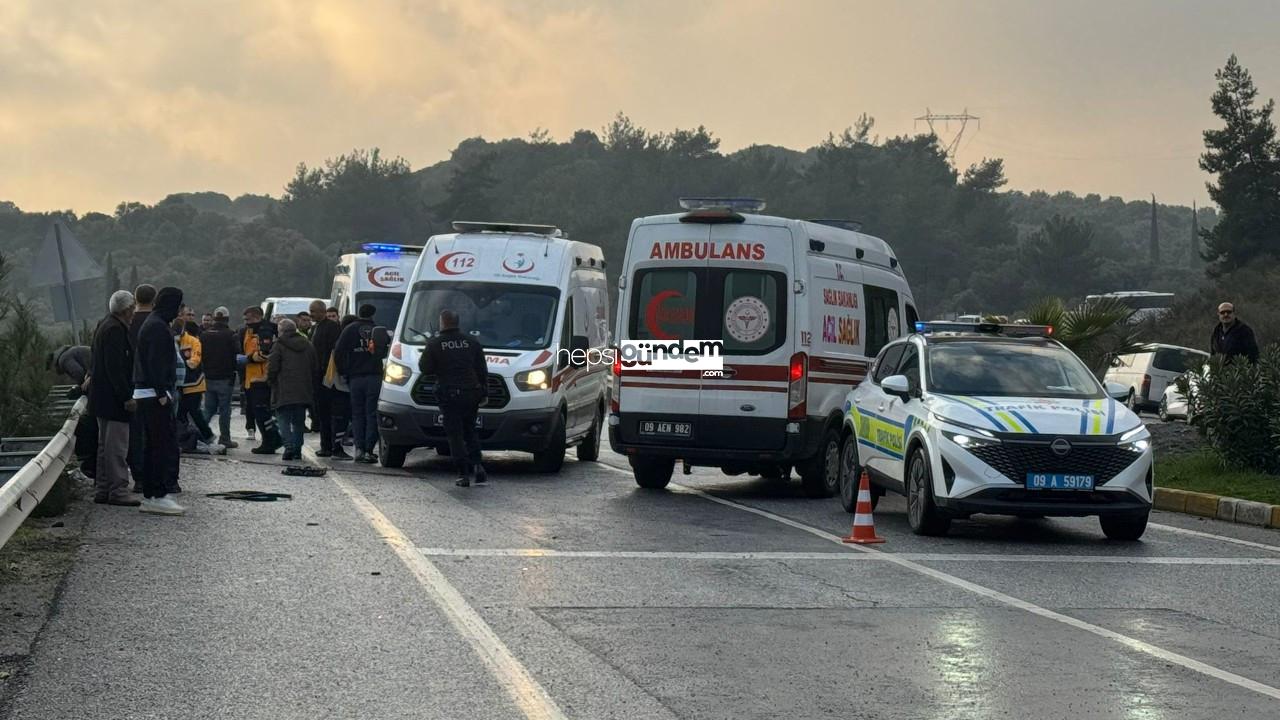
<point>251,495</point>
<point>304,471</point>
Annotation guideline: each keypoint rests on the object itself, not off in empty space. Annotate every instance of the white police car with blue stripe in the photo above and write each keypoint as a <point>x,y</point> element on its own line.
<point>1001,419</point>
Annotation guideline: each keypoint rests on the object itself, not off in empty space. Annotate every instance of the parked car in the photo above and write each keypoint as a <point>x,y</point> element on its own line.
<point>1174,404</point>
<point>1150,370</point>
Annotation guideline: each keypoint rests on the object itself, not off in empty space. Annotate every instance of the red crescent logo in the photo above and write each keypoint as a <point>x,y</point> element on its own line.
<point>462,262</point>
<point>374,271</point>
<point>651,314</point>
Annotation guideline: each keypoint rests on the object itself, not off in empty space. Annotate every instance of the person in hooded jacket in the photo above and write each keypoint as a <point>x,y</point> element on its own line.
<point>358,357</point>
<point>324,335</point>
<point>155,381</point>
<point>291,372</point>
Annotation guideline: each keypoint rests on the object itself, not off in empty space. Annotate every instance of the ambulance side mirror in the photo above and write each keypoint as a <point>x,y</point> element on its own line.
<point>897,385</point>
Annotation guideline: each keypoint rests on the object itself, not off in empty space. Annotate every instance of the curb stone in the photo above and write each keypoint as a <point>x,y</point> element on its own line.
<point>1228,509</point>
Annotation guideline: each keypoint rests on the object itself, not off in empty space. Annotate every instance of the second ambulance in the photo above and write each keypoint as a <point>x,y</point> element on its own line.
<point>801,307</point>
<point>531,297</point>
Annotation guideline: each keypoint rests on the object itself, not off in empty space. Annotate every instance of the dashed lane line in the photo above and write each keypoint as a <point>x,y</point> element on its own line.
<point>839,556</point>
<point>527,694</point>
<point>1132,643</point>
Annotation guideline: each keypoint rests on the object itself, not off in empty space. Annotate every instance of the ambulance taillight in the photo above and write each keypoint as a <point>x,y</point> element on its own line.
<point>797,387</point>
<point>615,396</point>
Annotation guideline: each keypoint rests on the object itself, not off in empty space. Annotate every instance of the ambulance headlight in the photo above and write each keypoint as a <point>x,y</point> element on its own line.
<point>538,379</point>
<point>396,374</point>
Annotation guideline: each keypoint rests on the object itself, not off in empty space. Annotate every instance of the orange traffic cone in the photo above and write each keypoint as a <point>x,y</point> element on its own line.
<point>864,524</point>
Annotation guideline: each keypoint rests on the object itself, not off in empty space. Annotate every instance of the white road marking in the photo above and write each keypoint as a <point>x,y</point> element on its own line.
<point>528,695</point>
<point>1211,536</point>
<point>839,556</point>
<point>1131,643</point>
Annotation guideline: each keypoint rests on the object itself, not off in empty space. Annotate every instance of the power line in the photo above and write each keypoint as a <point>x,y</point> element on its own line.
<point>963,118</point>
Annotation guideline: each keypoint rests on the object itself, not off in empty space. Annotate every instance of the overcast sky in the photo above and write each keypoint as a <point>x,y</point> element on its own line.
<point>134,99</point>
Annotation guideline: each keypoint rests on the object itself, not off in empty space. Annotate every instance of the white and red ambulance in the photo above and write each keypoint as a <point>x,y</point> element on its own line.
<point>379,276</point>
<point>802,308</point>
<point>532,297</point>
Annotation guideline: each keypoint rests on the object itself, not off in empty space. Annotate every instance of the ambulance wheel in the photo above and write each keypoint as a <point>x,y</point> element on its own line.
<point>551,458</point>
<point>820,475</point>
<point>443,450</point>
<point>652,473</point>
<point>851,476</point>
<point>922,512</point>
<point>589,448</point>
<point>391,456</point>
<point>1124,527</point>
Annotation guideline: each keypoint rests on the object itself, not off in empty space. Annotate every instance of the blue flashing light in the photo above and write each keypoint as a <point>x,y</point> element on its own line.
<point>382,248</point>
<point>920,327</point>
<point>735,204</point>
<point>1007,330</point>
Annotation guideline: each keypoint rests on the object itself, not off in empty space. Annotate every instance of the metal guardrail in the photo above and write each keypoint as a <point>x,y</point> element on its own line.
<point>27,487</point>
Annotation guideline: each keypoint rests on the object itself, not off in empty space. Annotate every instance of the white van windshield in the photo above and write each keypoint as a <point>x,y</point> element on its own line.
<point>500,315</point>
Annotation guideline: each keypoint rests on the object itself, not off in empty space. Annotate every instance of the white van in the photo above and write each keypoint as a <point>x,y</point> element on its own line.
<point>1152,369</point>
<point>378,276</point>
<point>285,306</point>
<point>824,299</point>
<point>531,296</point>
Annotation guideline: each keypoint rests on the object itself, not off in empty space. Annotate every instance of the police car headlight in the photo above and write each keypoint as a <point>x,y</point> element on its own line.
<point>968,441</point>
<point>1136,440</point>
<point>396,374</point>
<point>538,379</point>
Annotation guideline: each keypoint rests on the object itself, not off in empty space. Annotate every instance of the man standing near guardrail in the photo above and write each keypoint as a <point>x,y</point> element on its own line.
<point>155,378</point>
<point>111,400</point>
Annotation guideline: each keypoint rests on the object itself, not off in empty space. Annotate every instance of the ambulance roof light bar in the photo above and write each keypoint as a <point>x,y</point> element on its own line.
<point>390,248</point>
<point>736,204</point>
<point>1004,330</point>
<point>470,226</point>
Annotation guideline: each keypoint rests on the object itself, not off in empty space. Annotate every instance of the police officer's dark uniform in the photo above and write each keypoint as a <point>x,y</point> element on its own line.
<point>457,361</point>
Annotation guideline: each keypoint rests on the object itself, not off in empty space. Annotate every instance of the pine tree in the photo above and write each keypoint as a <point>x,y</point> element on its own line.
<point>133,278</point>
<point>1155,235</point>
<point>1243,156</point>
<point>1193,252</point>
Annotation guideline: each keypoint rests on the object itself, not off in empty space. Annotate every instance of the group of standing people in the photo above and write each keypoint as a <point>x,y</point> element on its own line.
<point>156,379</point>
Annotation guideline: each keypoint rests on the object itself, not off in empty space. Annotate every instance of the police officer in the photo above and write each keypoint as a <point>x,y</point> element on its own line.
<point>458,363</point>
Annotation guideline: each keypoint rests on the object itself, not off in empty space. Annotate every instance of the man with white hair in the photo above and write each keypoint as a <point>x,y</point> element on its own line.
<point>111,400</point>
<point>1231,337</point>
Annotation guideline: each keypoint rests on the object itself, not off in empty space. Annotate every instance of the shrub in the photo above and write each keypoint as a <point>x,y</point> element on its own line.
<point>1237,406</point>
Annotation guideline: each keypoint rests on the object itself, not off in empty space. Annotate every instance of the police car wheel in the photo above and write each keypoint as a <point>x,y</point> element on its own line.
<point>850,475</point>
<point>652,473</point>
<point>589,448</point>
<point>1124,527</point>
<point>820,475</point>
<point>922,513</point>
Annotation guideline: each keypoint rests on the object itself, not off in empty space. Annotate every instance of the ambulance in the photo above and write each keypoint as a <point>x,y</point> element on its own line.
<point>378,276</point>
<point>802,308</point>
<point>538,303</point>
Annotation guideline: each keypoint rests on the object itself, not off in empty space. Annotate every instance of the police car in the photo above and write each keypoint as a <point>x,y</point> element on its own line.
<point>1000,419</point>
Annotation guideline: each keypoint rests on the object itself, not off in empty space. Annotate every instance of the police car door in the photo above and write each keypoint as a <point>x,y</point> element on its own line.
<point>869,420</point>
<point>897,411</point>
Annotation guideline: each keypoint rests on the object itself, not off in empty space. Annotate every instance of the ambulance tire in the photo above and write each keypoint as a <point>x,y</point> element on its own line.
<point>922,513</point>
<point>589,447</point>
<point>820,475</point>
<point>391,456</point>
<point>652,473</point>
<point>551,459</point>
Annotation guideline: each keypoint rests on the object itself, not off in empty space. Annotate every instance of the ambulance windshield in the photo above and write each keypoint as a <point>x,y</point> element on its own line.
<point>511,316</point>
<point>387,306</point>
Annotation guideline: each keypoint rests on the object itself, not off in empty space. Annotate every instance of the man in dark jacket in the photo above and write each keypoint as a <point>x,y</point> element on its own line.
<point>324,336</point>
<point>155,379</point>
<point>457,361</point>
<point>220,346</point>
<point>111,401</point>
<point>75,363</point>
<point>144,297</point>
<point>1231,337</point>
<point>291,372</point>
<point>358,356</point>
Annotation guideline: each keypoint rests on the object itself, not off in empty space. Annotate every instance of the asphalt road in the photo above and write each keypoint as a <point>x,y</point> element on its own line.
<point>387,594</point>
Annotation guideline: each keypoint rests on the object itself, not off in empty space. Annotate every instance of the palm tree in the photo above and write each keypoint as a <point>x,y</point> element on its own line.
<point>1095,331</point>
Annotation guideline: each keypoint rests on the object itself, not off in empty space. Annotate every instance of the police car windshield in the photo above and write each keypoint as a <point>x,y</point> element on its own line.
<point>1008,369</point>
<point>500,315</point>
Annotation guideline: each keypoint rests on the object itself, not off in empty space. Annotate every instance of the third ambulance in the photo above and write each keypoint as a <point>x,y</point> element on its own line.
<point>801,307</point>
<point>379,276</point>
<point>531,296</point>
